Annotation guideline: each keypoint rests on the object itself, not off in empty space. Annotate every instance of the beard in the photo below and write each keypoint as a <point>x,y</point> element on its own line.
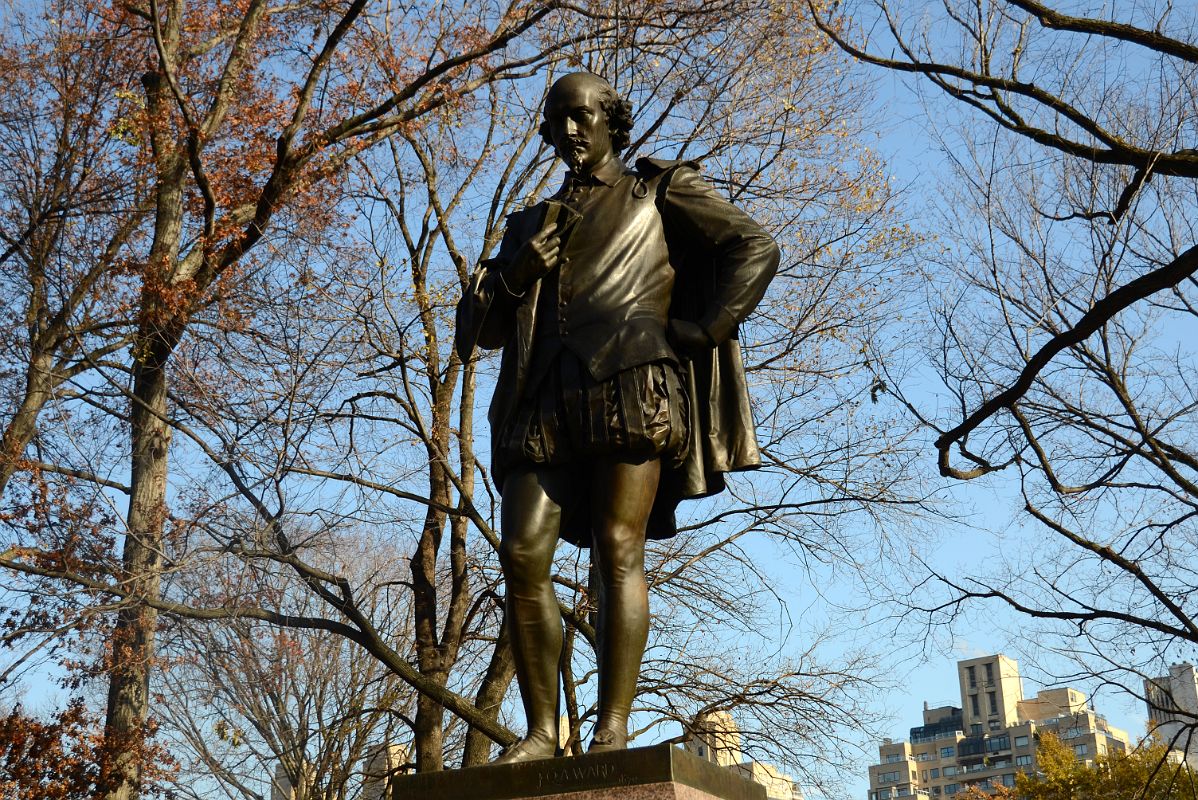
<point>575,156</point>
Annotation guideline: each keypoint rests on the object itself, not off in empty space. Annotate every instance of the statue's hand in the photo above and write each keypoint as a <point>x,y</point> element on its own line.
<point>533,260</point>
<point>687,338</point>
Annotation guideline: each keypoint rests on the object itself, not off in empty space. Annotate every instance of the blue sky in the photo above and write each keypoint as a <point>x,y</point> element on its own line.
<point>991,508</point>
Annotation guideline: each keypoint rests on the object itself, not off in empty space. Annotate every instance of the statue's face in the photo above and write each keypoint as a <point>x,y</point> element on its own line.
<point>577,122</point>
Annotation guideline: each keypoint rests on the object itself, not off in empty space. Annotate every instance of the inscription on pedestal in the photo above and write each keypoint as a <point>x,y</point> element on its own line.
<point>550,776</point>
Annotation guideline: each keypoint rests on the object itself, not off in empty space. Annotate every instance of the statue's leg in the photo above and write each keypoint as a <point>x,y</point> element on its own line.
<point>622,496</point>
<point>530,525</point>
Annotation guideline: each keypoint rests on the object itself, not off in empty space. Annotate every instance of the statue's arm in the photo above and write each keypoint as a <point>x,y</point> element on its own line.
<point>745,256</point>
<point>487,311</point>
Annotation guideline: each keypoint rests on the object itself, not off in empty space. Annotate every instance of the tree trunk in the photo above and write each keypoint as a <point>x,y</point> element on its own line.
<point>570,692</point>
<point>491,692</point>
<point>437,652</point>
<point>23,426</point>
<point>133,637</point>
<point>428,733</point>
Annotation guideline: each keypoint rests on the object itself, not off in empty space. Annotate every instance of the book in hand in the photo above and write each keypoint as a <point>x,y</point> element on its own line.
<point>560,216</point>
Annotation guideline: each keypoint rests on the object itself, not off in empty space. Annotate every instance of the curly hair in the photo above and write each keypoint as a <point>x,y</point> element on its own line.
<point>619,121</point>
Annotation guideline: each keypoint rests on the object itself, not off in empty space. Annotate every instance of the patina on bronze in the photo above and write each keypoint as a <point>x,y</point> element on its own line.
<point>621,389</point>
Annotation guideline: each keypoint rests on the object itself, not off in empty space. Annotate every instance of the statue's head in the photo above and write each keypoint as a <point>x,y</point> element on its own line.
<point>586,121</point>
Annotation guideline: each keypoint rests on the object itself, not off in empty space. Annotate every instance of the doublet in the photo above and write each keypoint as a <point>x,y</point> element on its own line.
<point>608,299</point>
<point>642,231</point>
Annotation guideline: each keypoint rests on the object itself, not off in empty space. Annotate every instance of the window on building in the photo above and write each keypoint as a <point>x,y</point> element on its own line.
<point>952,788</point>
<point>1008,779</point>
<point>935,772</point>
<point>995,725</point>
<point>989,673</point>
<point>935,791</point>
<point>996,743</point>
<point>884,794</point>
<point>971,672</point>
<point>888,777</point>
<point>946,752</point>
<point>1081,749</point>
<point>976,728</point>
<point>992,699</point>
<point>1023,761</point>
<point>903,792</point>
<point>973,704</point>
<point>949,771</point>
<point>1021,741</point>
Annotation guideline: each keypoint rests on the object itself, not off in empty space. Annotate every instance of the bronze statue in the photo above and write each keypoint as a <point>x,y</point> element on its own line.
<point>621,389</point>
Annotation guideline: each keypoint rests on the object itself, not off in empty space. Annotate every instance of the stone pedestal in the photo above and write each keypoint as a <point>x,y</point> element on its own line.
<point>661,772</point>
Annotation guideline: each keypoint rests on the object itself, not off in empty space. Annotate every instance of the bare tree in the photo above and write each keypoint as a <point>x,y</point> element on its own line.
<point>237,702</point>
<point>1062,309</point>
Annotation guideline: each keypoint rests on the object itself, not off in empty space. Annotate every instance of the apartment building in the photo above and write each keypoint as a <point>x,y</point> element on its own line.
<point>716,738</point>
<point>1173,711</point>
<point>990,737</point>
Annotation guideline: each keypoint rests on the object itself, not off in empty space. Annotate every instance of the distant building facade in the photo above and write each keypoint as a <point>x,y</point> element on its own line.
<point>717,739</point>
<point>1173,711</point>
<point>990,737</point>
<point>286,786</point>
<point>383,762</point>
